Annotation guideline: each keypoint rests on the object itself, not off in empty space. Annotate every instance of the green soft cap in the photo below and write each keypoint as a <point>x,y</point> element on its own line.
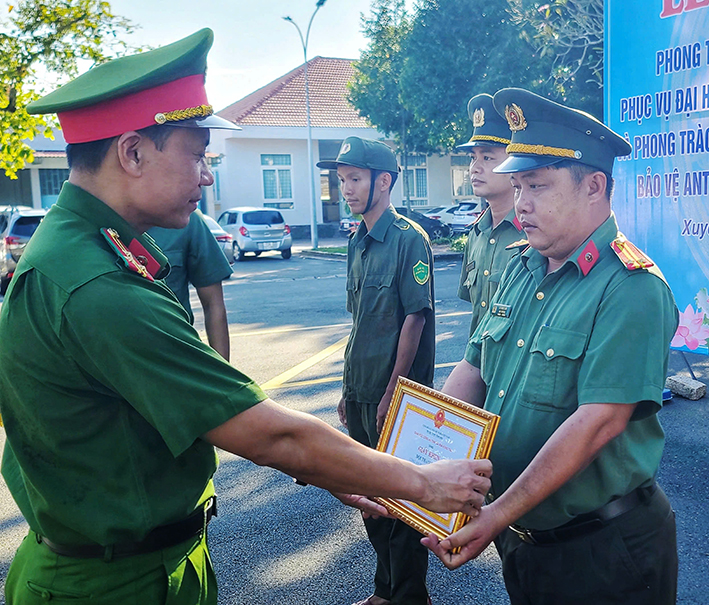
<point>363,153</point>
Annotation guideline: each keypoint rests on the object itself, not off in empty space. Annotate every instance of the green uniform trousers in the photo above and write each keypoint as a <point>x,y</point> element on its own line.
<point>402,562</point>
<point>180,575</point>
<point>632,560</point>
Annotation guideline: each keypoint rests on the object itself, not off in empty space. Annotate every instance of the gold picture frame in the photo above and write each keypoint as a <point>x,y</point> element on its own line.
<point>424,425</point>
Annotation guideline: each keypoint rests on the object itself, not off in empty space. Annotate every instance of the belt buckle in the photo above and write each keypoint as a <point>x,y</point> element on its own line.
<point>523,534</point>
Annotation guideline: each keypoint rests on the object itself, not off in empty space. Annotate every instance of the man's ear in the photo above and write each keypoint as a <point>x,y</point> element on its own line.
<point>596,183</point>
<point>385,181</point>
<point>129,149</point>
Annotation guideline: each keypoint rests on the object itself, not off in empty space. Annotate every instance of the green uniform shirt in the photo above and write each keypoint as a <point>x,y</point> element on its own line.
<point>195,258</point>
<point>484,260</point>
<point>105,387</point>
<point>550,343</point>
<point>389,276</point>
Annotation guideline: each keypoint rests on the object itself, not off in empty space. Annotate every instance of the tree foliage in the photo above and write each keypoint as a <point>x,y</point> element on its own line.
<point>43,41</point>
<point>459,48</point>
<point>570,32</point>
<point>418,72</point>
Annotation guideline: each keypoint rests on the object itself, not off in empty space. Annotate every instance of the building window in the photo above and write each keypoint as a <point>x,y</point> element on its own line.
<point>51,180</point>
<point>276,172</point>
<point>460,176</point>
<point>417,179</point>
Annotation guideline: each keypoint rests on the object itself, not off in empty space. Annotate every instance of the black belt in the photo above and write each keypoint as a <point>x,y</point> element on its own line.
<point>161,537</point>
<point>588,522</point>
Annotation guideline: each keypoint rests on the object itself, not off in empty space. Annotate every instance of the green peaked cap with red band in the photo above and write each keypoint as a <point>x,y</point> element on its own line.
<point>161,86</point>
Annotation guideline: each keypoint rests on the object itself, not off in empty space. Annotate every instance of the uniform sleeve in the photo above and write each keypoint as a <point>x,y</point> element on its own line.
<point>206,263</point>
<point>415,274</point>
<point>627,353</point>
<point>152,358</point>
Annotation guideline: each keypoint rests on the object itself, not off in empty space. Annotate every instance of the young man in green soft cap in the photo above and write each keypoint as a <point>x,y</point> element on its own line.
<point>486,253</point>
<point>390,296</point>
<point>576,369</point>
<point>112,404</point>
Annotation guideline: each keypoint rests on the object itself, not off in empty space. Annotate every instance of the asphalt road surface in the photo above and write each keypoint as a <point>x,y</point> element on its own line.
<point>275,542</point>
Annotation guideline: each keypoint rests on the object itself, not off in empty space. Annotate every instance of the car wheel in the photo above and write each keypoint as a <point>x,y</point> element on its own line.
<point>439,232</point>
<point>286,253</point>
<point>239,254</point>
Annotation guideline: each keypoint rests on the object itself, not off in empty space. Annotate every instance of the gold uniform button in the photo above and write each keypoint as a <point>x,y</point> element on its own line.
<point>492,240</point>
<point>540,295</point>
<point>483,304</point>
<point>550,352</point>
<point>520,343</point>
<point>486,273</point>
<point>501,393</point>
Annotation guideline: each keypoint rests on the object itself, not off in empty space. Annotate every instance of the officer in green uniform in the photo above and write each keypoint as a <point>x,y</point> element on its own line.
<point>196,258</point>
<point>575,367</point>
<point>112,403</point>
<point>390,296</point>
<point>486,253</point>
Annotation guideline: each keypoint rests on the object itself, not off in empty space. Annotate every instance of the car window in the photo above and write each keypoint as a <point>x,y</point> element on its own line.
<point>223,217</point>
<point>25,226</point>
<point>263,217</point>
<point>3,223</point>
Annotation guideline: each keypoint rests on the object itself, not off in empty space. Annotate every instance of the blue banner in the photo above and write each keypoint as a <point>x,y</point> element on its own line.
<point>657,96</point>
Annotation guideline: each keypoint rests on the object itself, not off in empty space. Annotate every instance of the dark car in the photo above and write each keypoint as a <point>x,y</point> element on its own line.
<point>435,228</point>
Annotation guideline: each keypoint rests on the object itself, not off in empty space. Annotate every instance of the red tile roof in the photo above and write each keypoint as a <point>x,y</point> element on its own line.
<point>282,102</point>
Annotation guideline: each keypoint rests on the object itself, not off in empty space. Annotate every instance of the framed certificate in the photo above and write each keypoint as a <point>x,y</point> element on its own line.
<point>424,426</point>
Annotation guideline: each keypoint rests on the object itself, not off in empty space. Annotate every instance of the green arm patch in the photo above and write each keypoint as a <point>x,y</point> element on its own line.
<point>421,272</point>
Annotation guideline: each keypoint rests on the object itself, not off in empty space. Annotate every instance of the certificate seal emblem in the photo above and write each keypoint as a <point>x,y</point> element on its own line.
<point>440,419</point>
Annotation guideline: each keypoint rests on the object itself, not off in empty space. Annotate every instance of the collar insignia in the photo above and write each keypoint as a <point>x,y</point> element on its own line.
<point>479,117</point>
<point>587,258</point>
<point>515,118</point>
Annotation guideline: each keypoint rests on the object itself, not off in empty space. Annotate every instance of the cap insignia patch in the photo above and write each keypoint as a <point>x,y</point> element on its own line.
<point>515,118</point>
<point>345,148</point>
<point>479,117</point>
<point>421,272</point>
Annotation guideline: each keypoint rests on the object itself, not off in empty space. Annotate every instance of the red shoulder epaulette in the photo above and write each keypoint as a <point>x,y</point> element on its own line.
<point>124,254</point>
<point>629,254</point>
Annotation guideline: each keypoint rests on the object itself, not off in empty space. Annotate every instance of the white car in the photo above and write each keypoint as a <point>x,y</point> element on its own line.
<point>464,216</point>
<point>256,230</point>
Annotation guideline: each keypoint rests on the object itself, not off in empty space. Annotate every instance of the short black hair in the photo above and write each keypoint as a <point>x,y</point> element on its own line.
<point>579,171</point>
<point>88,157</point>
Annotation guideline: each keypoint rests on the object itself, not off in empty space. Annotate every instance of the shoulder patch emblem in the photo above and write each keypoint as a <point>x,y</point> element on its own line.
<point>630,255</point>
<point>421,272</point>
<point>124,254</point>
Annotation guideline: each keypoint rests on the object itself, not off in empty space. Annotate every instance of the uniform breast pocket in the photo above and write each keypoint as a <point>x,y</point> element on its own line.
<point>495,330</point>
<point>472,275</point>
<point>552,373</point>
<point>379,295</point>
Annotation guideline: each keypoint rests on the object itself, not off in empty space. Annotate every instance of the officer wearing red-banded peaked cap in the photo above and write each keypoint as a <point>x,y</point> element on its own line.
<point>161,86</point>
<point>545,133</point>
<point>489,128</point>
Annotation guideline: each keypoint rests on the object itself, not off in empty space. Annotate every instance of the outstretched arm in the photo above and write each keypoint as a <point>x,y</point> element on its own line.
<point>312,451</point>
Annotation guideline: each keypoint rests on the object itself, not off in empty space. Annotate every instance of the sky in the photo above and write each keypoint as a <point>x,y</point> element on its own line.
<point>253,45</point>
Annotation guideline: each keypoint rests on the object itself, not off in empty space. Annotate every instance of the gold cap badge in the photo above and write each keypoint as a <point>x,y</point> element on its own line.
<point>479,117</point>
<point>515,118</point>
